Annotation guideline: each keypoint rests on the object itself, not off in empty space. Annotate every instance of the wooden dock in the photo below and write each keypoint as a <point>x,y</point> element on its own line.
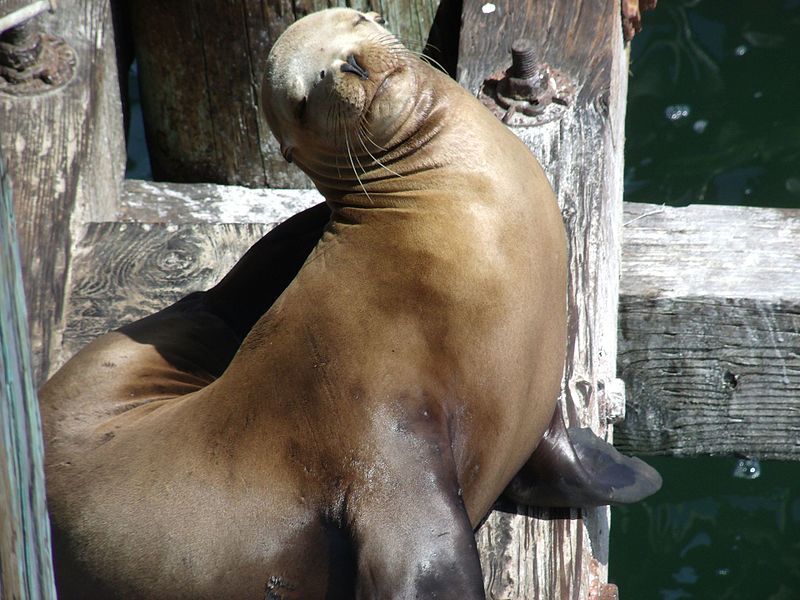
<point>708,305</point>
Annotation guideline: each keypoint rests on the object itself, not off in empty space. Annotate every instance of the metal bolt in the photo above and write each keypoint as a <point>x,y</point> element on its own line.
<point>523,59</point>
<point>20,46</point>
<point>32,62</point>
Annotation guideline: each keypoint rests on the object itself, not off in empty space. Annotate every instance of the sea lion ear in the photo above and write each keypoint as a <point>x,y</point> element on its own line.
<point>375,18</point>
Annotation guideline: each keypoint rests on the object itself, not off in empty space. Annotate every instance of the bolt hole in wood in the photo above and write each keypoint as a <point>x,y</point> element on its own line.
<point>731,380</point>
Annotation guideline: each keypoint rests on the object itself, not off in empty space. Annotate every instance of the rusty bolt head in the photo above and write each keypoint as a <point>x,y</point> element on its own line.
<point>20,46</point>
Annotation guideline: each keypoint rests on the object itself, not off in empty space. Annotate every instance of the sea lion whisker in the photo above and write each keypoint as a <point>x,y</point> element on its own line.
<point>364,129</point>
<point>367,136</point>
<point>389,43</point>
<point>405,41</point>
<point>428,59</point>
<point>355,172</point>
<point>356,155</point>
<point>329,117</point>
<point>373,157</point>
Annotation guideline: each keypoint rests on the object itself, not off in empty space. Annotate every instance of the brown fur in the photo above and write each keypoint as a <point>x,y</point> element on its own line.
<point>379,406</point>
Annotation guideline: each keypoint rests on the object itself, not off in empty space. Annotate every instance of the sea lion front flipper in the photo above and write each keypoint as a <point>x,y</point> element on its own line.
<point>573,468</point>
<point>202,331</point>
<point>412,534</point>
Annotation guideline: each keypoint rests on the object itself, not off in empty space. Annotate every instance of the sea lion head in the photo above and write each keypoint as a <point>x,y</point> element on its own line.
<point>339,85</point>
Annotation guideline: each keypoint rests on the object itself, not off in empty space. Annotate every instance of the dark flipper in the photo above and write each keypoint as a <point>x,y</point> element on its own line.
<point>574,468</point>
<point>261,275</point>
<point>412,534</point>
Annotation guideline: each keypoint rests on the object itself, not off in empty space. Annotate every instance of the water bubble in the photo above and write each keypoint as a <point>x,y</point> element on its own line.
<point>740,50</point>
<point>488,8</point>
<point>700,125</point>
<point>793,185</point>
<point>758,95</point>
<point>676,112</point>
<point>747,468</point>
<point>686,575</point>
<point>723,571</point>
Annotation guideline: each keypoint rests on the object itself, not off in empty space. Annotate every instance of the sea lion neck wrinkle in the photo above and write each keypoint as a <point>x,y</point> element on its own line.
<point>387,176</point>
<point>404,116</point>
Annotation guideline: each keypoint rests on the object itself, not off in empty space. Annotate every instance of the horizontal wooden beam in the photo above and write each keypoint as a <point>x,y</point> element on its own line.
<point>125,271</point>
<point>709,336</point>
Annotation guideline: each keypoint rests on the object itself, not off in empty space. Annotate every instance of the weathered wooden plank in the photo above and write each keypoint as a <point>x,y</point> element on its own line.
<point>66,155</point>
<point>126,271</point>
<point>25,563</point>
<point>154,202</point>
<point>200,71</point>
<point>582,154</point>
<point>709,339</point>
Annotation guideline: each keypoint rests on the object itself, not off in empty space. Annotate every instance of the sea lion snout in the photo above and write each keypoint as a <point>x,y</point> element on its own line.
<point>335,78</point>
<point>351,65</point>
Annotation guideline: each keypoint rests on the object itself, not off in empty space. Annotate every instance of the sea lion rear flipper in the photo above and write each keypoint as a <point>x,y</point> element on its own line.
<point>572,467</point>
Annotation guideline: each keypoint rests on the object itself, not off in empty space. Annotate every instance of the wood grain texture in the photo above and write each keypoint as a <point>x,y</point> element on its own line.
<point>200,70</point>
<point>25,563</point>
<point>582,155</point>
<point>66,155</point>
<point>125,271</point>
<point>709,339</point>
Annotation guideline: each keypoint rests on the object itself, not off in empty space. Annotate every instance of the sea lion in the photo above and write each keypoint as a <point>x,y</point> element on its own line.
<point>334,417</point>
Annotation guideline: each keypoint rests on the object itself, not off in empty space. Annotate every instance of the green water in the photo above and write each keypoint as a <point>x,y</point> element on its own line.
<point>714,117</point>
<point>713,104</point>
<point>709,535</point>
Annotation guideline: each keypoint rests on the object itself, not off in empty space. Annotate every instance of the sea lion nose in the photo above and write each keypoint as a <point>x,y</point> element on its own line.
<point>352,66</point>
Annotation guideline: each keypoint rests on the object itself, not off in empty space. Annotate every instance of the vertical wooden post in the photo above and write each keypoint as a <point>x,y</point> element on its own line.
<point>26,570</point>
<point>564,554</point>
<point>200,69</point>
<point>65,152</point>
